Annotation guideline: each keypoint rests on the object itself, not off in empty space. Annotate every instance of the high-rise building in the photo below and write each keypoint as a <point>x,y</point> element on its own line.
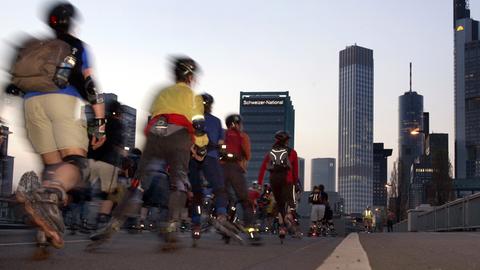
<point>6,163</point>
<point>265,113</point>
<point>410,145</point>
<point>323,173</point>
<point>380,174</point>
<point>355,133</point>
<point>129,119</point>
<point>467,92</point>
<point>301,172</point>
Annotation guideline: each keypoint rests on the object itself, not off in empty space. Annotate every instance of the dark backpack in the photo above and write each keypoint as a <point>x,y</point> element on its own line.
<point>279,159</point>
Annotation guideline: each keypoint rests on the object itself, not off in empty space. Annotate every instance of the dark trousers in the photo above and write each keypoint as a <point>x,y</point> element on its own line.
<point>170,152</point>
<point>213,173</point>
<point>282,191</point>
<point>235,180</point>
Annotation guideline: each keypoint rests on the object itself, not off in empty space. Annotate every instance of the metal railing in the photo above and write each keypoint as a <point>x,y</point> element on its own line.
<point>459,215</point>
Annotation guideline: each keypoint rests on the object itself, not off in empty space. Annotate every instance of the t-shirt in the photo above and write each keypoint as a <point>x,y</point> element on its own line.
<point>70,89</point>
<point>213,127</point>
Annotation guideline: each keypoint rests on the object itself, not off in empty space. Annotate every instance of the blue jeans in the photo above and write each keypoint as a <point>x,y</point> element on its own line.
<point>210,167</point>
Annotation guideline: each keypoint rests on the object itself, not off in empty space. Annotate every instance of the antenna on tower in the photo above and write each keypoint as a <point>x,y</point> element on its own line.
<point>410,76</point>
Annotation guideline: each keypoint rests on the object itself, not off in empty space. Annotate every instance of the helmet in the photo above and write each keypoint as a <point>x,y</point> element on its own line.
<point>282,136</point>
<point>233,119</point>
<point>60,16</point>
<point>184,66</point>
<point>207,99</point>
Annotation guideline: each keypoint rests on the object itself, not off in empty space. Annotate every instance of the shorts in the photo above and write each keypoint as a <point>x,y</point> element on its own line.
<point>54,122</point>
<point>318,212</point>
<point>106,173</point>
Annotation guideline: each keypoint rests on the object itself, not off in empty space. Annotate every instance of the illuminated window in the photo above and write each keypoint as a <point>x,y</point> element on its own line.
<point>460,28</point>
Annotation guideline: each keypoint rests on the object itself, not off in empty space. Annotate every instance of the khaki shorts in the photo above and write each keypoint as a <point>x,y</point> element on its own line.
<point>106,173</point>
<point>54,122</point>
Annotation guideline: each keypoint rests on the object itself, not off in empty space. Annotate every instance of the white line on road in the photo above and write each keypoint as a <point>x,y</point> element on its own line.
<point>33,243</point>
<point>348,255</point>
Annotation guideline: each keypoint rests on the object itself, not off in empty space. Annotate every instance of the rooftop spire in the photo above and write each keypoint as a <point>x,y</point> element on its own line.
<point>410,76</point>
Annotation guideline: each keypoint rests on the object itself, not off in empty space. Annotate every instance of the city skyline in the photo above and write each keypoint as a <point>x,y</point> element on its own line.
<point>303,52</point>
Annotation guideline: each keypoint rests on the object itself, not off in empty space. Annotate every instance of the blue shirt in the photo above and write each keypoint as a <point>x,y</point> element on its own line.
<point>214,130</point>
<point>69,90</point>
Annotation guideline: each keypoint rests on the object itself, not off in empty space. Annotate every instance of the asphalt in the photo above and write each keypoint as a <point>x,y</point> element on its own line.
<point>439,251</point>
<point>143,251</point>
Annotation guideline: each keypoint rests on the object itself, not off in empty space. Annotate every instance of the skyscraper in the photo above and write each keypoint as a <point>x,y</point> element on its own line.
<point>355,132</point>
<point>301,172</point>
<point>323,173</point>
<point>467,92</point>
<point>380,174</point>
<point>265,113</point>
<point>410,146</point>
<point>6,163</point>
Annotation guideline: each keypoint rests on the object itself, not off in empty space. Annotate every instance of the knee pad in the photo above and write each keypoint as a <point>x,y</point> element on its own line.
<point>81,163</point>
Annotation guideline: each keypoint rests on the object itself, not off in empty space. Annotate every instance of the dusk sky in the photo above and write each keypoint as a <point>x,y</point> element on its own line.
<point>258,46</point>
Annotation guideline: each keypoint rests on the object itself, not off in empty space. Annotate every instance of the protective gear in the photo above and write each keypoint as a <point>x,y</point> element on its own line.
<point>97,128</point>
<point>184,67</point>
<point>282,136</point>
<point>60,17</point>
<point>207,99</point>
<point>201,141</point>
<point>93,95</point>
<point>199,126</point>
<point>81,163</point>
<point>233,119</point>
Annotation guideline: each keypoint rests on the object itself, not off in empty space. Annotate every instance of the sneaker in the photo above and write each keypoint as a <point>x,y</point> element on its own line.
<point>106,232</point>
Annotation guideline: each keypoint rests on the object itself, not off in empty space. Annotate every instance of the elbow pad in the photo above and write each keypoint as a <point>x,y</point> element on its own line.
<point>93,96</point>
<point>199,126</point>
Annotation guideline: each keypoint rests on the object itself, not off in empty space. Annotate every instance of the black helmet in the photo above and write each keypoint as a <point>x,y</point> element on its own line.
<point>60,16</point>
<point>233,119</point>
<point>184,66</point>
<point>282,136</point>
<point>207,99</point>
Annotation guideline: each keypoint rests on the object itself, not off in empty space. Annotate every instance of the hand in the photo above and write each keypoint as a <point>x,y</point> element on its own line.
<point>97,142</point>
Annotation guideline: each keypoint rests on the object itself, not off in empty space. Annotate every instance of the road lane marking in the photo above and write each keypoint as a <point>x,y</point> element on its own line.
<point>348,255</point>
<point>34,243</point>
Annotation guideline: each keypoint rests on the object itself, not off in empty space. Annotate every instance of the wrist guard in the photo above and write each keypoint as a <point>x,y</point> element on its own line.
<point>97,128</point>
<point>93,96</point>
<point>199,126</point>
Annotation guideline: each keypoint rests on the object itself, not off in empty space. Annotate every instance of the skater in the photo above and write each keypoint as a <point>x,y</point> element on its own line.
<point>212,172</point>
<point>282,164</point>
<point>234,160</point>
<point>317,200</point>
<point>368,220</point>
<point>53,99</point>
<point>175,132</point>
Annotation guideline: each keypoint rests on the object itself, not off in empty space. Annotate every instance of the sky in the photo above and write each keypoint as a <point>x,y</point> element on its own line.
<point>249,45</point>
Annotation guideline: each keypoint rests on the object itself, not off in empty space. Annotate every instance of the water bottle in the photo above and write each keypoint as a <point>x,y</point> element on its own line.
<point>63,71</point>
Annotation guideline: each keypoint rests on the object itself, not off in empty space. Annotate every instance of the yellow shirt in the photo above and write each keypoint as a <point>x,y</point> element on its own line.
<point>178,99</point>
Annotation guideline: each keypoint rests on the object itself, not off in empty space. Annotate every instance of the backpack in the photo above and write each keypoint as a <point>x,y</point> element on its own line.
<point>279,159</point>
<point>37,61</point>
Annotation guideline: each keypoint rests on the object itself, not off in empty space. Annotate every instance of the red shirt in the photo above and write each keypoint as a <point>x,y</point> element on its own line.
<point>292,174</point>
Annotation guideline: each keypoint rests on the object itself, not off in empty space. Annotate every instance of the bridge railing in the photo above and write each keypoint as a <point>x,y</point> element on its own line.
<point>461,214</point>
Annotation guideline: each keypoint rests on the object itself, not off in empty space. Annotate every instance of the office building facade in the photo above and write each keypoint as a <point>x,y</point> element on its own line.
<point>265,113</point>
<point>6,163</point>
<point>301,173</point>
<point>323,172</point>
<point>467,92</point>
<point>355,136</point>
<point>380,174</point>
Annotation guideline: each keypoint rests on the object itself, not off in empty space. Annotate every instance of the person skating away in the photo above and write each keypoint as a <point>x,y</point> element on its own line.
<point>390,220</point>
<point>282,164</point>
<point>55,77</point>
<point>368,220</point>
<point>317,212</point>
<point>235,156</point>
<point>175,132</point>
<point>211,170</point>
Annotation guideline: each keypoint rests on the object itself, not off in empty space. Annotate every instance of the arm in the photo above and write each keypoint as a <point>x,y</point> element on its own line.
<point>294,162</point>
<point>246,147</point>
<point>263,168</point>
